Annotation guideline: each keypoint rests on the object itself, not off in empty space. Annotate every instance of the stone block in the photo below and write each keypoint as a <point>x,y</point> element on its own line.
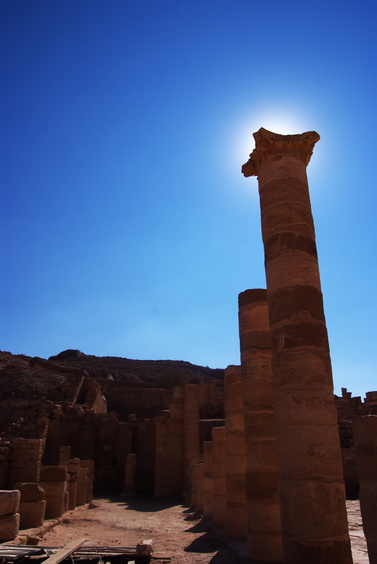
<point>145,548</point>
<point>9,501</point>
<point>9,527</point>
<point>32,513</point>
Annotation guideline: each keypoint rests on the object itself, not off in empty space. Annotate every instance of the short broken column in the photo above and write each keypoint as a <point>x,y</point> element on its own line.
<point>208,480</point>
<point>365,437</point>
<point>32,505</point>
<point>54,483</point>
<point>168,477</point>
<point>235,455</point>
<point>73,467</point>
<point>191,436</point>
<point>219,476</point>
<point>262,480</point>
<point>314,519</point>
<point>199,485</point>
<point>82,485</point>
<point>129,475</point>
<point>9,516</point>
<point>89,466</point>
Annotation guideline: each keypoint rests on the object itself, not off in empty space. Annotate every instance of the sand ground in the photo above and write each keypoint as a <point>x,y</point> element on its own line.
<point>176,532</point>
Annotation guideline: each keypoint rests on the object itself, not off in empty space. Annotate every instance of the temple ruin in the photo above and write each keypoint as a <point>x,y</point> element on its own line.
<point>263,449</point>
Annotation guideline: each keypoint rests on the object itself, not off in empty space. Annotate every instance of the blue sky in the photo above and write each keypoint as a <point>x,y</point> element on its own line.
<point>127,228</point>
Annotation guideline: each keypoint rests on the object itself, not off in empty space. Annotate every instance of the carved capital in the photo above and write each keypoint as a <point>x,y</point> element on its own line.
<point>268,144</point>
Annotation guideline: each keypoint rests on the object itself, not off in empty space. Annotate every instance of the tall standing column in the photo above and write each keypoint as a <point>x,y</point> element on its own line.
<point>262,484</point>
<point>314,520</point>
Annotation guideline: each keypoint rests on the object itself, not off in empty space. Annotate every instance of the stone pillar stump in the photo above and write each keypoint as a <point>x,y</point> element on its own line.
<point>262,479</point>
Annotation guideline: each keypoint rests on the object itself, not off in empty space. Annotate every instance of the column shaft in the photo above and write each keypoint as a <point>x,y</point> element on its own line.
<point>262,483</point>
<point>235,462</point>
<point>219,476</point>
<point>191,436</point>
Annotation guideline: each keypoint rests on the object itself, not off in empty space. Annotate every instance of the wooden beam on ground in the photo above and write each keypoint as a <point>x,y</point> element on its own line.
<point>67,550</point>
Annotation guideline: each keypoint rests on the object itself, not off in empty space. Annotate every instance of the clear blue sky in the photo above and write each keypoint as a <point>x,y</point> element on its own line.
<point>127,228</point>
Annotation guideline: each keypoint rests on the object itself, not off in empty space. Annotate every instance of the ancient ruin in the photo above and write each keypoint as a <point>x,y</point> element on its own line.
<point>263,450</point>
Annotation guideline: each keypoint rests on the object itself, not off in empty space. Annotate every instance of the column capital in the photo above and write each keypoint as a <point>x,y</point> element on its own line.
<point>268,143</point>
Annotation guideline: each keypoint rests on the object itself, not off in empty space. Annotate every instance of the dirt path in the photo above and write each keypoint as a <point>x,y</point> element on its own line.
<point>113,521</point>
<point>173,528</point>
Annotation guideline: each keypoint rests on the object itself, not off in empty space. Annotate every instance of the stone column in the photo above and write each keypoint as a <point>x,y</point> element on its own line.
<point>262,482</point>
<point>365,435</point>
<point>208,480</point>
<point>219,476</point>
<point>199,483</point>
<point>314,521</point>
<point>191,436</point>
<point>169,448</point>
<point>235,461</point>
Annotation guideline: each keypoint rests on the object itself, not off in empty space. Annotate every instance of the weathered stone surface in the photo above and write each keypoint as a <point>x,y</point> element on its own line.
<point>9,501</point>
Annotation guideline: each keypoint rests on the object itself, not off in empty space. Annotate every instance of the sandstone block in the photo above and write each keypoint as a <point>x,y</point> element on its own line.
<point>9,527</point>
<point>9,501</point>
<point>31,492</point>
<point>145,548</point>
<point>32,513</point>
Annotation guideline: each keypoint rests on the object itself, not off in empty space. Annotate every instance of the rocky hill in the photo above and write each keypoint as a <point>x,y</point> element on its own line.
<point>28,384</point>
